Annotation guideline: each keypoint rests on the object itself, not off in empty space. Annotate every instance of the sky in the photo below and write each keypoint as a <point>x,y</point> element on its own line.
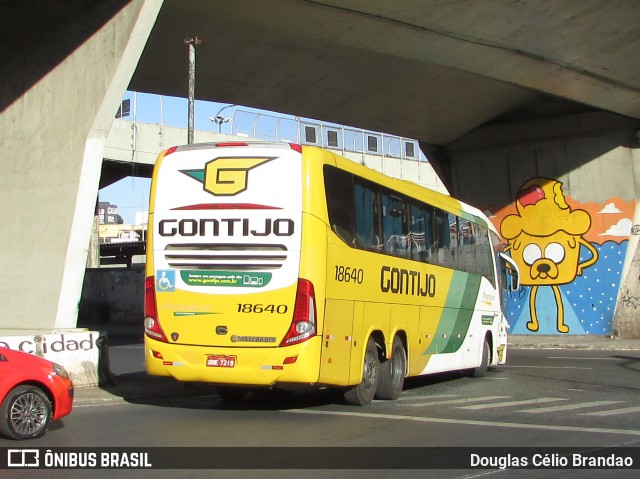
<point>132,194</point>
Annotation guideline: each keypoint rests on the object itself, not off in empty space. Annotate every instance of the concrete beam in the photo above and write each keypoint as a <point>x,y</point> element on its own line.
<point>420,69</point>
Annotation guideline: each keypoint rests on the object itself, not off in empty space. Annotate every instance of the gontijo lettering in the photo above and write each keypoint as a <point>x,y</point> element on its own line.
<point>405,281</point>
<point>226,227</point>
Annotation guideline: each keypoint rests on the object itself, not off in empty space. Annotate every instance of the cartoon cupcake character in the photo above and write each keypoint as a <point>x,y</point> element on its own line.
<point>544,239</point>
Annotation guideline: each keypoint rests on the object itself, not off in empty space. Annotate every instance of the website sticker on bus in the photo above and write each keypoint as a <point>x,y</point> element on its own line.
<point>225,278</point>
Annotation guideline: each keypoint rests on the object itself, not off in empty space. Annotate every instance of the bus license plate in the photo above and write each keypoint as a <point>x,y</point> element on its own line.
<point>221,361</point>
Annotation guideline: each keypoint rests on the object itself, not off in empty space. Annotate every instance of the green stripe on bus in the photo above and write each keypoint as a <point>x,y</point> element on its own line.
<point>465,312</point>
<point>457,313</point>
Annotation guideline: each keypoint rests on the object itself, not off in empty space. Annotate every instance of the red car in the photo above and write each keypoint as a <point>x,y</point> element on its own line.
<point>33,391</point>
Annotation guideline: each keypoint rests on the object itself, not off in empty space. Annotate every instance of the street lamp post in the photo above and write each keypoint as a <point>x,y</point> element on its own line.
<point>219,119</point>
<point>192,43</point>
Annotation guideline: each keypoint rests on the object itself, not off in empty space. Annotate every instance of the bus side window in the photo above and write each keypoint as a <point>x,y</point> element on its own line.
<point>467,260</point>
<point>442,239</point>
<point>338,187</point>
<point>366,217</point>
<point>421,232</point>
<point>483,252</point>
<point>391,224</point>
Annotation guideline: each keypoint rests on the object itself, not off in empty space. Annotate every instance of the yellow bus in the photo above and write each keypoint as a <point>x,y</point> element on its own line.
<point>274,265</point>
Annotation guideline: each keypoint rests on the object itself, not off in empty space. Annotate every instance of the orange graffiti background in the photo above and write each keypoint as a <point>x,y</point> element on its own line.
<point>609,221</point>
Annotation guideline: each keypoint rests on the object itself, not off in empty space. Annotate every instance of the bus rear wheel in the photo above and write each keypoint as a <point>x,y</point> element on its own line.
<point>363,393</point>
<point>392,372</point>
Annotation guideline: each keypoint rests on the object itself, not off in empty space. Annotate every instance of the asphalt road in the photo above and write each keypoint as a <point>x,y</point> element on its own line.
<point>542,400</point>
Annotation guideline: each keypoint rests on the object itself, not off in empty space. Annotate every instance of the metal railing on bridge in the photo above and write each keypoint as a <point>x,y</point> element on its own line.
<point>261,125</point>
<point>327,135</point>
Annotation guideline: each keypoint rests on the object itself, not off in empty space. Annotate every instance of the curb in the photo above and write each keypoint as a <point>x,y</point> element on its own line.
<point>578,342</point>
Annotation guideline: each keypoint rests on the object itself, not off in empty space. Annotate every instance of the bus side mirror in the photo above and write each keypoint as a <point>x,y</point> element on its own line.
<point>512,270</point>
<point>515,281</point>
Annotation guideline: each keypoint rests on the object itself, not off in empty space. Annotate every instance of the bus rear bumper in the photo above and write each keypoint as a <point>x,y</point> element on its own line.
<point>238,366</point>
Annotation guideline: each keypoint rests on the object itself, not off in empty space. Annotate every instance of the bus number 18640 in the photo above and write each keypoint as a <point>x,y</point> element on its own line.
<point>346,274</point>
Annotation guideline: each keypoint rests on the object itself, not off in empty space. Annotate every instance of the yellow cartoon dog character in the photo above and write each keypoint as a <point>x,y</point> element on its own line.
<point>544,238</point>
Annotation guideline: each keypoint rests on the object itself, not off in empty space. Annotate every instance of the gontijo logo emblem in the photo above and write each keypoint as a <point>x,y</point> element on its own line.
<point>226,176</point>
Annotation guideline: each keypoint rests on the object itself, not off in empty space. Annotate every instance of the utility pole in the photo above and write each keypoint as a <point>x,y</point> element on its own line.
<point>192,43</point>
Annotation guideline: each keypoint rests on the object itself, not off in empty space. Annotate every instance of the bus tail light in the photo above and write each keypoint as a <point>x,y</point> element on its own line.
<point>152,327</point>
<point>168,151</point>
<point>223,144</point>
<point>304,321</point>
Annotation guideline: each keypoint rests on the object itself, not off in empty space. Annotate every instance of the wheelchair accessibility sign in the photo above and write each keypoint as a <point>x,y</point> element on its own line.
<point>166,280</point>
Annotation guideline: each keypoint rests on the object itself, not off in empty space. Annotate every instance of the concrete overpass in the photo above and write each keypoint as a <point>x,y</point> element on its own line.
<point>499,93</point>
<point>431,70</point>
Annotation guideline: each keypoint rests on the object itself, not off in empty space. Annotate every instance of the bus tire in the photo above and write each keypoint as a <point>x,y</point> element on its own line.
<point>363,393</point>
<point>481,370</point>
<point>392,372</point>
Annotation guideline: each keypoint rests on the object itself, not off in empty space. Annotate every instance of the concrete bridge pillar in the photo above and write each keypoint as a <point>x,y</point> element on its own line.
<point>62,85</point>
<point>626,323</point>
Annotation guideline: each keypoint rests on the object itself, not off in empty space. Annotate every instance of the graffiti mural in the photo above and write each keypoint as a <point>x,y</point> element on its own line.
<point>570,257</point>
